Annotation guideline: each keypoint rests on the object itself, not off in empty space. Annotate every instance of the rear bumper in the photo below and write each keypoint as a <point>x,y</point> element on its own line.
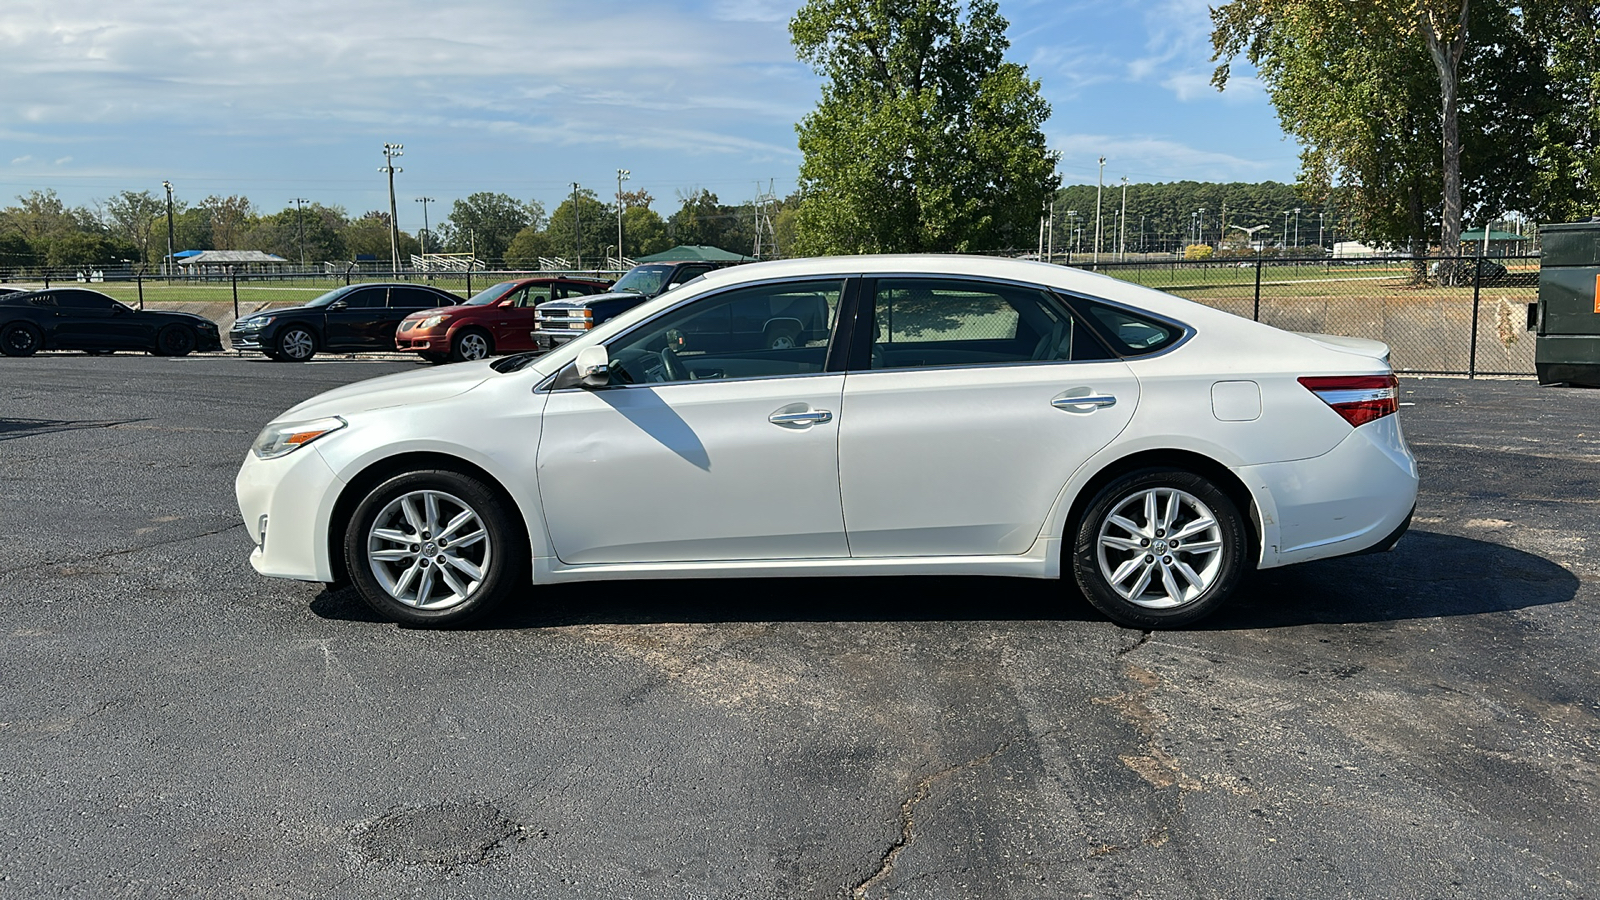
<point>1357,497</point>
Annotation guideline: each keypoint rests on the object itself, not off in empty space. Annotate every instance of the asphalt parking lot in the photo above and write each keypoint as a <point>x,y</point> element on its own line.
<point>1417,724</point>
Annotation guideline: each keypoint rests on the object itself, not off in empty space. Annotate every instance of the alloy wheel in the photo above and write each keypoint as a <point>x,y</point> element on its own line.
<point>429,550</point>
<point>1160,548</point>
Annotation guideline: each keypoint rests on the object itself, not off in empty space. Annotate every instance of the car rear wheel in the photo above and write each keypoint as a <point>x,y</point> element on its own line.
<point>433,548</point>
<point>297,344</point>
<point>175,340</point>
<point>471,344</point>
<point>1159,548</point>
<point>20,339</point>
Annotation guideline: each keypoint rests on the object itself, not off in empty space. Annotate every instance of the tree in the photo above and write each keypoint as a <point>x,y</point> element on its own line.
<point>485,223</point>
<point>231,217</point>
<point>133,216</point>
<point>643,232</point>
<point>925,139</point>
<point>1566,174</point>
<point>583,218</point>
<point>1378,93</point>
<point>527,247</point>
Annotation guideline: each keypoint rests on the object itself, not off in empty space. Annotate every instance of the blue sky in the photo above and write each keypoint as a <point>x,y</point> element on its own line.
<point>295,98</point>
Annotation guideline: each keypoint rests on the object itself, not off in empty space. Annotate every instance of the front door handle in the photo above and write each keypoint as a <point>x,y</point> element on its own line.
<point>1083,404</point>
<point>809,417</point>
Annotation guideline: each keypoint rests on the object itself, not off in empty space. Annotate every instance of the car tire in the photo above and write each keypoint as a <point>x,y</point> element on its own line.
<point>20,339</point>
<point>404,570</point>
<point>176,340</point>
<point>471,344</point>
<point>1159,548</point>
<point>296,343</point>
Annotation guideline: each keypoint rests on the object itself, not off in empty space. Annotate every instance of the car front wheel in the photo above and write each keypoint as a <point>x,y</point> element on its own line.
<point>1159,548</point>
<point>297,344</point>
<point>471,344</point>
<point>175,340</point>
<point>433,548</point>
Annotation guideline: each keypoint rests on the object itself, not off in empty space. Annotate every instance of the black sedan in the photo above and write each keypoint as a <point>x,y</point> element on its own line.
<point>354,317</point>
<point>79,319</point>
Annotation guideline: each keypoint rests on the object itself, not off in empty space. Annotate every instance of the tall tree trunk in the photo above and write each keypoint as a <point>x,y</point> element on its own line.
<point>1447,60</point>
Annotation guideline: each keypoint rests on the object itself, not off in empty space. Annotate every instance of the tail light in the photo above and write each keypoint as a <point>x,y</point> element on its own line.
<point>1358,398</point>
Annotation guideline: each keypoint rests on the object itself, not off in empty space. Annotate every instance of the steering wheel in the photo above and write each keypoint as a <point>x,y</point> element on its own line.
<point>672,366</point>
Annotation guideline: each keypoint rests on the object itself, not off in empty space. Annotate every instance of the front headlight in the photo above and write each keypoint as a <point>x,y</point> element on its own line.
<point>429,322</point>
<point>282,438</point>
<point>254,324</point>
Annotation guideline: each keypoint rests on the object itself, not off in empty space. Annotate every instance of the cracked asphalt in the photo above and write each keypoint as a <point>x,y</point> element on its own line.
<point>1421,723</point>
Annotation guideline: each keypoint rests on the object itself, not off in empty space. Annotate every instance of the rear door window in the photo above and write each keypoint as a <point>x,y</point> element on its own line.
<point>1130,333</point>
<point>928,322</point>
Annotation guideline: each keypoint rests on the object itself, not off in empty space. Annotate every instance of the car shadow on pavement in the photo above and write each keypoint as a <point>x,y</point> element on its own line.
<point>1427,575</point>
<point>12,429</point>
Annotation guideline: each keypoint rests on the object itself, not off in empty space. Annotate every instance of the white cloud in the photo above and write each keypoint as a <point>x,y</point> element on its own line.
<point>63,160</point>
<point>1151,158</point>
<point>21,160</point>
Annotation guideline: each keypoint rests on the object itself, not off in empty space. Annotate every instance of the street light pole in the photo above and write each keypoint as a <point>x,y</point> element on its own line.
<point>1297,226</point>
<point>390,151</point>
<point>1286,229</point>
<point>425,201</point>
<point>300,228</point>
<point>1200,226</point>
<point>577,229</point>
<point>1099,188</point>
<point>622,175</point>
<point>168,266</point>
<point>1122,233</point>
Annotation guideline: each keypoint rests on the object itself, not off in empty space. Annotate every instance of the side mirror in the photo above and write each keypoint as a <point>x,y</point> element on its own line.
<point>338,304</point>
<point>594,367</point>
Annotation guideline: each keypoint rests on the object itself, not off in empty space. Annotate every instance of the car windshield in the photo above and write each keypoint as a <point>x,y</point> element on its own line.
<point>491,294</point>
<point>333,295</point>
<point>642,280</point>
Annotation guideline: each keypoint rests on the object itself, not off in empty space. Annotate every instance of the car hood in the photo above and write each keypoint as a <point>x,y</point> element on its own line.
<point>580,302</point>
<point>189,316</point>
<point>462,310</point>
<point>290,310</point>
<point>404,389</point>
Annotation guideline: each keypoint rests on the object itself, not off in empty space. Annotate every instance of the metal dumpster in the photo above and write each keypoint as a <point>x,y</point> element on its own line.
<point>1567,348</point>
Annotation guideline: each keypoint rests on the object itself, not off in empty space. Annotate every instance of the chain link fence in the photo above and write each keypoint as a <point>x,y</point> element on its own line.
<point>1454,316</point>
<point>1446,316</point>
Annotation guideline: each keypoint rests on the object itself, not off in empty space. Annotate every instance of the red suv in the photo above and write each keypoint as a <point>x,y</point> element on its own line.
<point>498,320</point>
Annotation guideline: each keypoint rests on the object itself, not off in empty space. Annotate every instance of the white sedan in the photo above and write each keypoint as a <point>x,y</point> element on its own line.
<point>850,416</point>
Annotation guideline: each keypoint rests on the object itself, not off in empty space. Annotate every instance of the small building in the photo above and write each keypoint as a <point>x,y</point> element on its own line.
<point>1501,243</point>
<point>220,262</point>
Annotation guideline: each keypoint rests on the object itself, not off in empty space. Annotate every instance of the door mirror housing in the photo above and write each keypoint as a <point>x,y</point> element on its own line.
<point>594,367</point>
<point>338,304</point>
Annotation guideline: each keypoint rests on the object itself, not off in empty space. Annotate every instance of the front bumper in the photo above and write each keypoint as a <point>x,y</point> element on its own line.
<point>549,340</point>
<point>286,504</point>
<point>244,340</point>
<point>422,342</point>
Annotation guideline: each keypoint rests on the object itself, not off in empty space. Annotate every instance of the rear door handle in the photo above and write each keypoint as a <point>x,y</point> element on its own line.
<point>1083,404</point>
<point>809,417</point>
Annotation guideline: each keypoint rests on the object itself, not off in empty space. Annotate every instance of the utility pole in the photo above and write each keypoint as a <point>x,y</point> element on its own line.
<point>1286,229</point>
<point>1122,235</point>
<point>1050,237</point>
<point>390,151</point>
<point>425,201</point>
<point>1222,227</point>
<point>168,266</point>
<point>1099,187</point>
<point>622,175</point>
<point>577,229</point>
<point>1200,226</point>
<point>1297,226</point>
<point>1072,229</point>
<point>300,226</point>
<point>1320,217</point>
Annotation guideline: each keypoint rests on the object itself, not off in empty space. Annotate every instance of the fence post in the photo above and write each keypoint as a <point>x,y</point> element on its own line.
<point>234,277</point>
<point>139,280</point>
<point>469,280</point>
<point>1477,290</point>
<point>1258,286</point>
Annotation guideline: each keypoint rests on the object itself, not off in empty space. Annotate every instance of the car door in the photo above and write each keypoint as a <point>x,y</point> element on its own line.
<point>979,402</point>
<point>353,327</point>
<point>513,319</point>
<point>403,301</point>
<point>697,454</point>
<point>86,320</point>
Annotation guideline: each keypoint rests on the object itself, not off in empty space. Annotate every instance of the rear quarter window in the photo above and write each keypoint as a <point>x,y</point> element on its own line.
<point>1132,334</point>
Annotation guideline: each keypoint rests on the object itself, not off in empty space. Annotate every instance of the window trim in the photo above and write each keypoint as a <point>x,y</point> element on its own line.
<point>861,358</point>
<point>833,363</point>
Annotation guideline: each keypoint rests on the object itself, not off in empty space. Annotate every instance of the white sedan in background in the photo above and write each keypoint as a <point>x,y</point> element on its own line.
<point>923,415</point>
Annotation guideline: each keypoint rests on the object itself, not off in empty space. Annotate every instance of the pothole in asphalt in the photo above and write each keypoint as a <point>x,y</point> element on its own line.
<point>446,835</point>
